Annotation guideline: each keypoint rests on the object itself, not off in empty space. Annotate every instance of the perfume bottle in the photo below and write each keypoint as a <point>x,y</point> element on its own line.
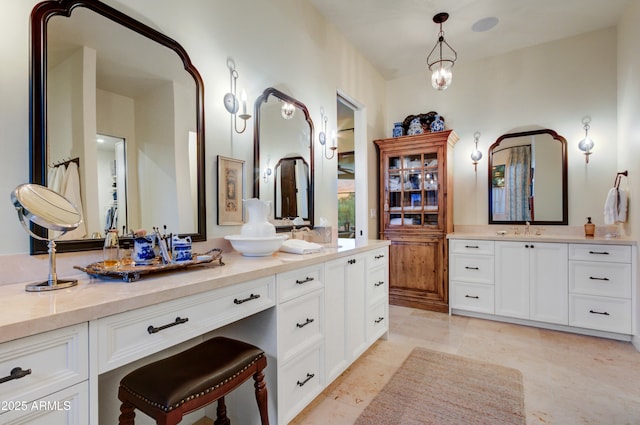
<point>589,228</point>
<point>111,250</point>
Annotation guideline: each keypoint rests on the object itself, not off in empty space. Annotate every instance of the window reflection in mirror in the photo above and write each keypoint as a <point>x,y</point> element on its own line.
<point>528,178</point>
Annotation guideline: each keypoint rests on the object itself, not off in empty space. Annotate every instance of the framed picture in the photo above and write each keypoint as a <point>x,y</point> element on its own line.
<point>230,190</point>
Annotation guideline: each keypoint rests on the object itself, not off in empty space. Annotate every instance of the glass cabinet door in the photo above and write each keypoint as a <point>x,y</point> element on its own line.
<point>413,190</point>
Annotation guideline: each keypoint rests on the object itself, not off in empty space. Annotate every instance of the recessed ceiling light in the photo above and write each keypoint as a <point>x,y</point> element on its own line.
<point>485,24</point>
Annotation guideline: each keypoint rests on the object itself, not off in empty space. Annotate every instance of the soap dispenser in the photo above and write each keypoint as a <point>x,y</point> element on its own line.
<point>589,229</point>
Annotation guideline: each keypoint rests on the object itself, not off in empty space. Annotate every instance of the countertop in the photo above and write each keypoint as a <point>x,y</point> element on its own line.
<point>27,313</point>
<point>559,238</point>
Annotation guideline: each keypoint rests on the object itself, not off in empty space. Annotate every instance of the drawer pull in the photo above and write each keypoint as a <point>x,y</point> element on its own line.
<point>305,280</point>
<point>598,312</point>
<point>377,257</point>
<point>302,325</point>
<point>471,268</point>
<point>599,252</point>
<point>475,297</point>
<point>599,278</point>
<point>472,246</point>
<point>378,283</point>
<point>352,261</point>
<point>152,329</point>
<point>249,298</point>
<point>16,373</point>
<point>379,319</point>
<point>309,376</point>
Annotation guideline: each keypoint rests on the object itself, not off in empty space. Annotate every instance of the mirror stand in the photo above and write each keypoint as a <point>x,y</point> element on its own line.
<point>52,283</point>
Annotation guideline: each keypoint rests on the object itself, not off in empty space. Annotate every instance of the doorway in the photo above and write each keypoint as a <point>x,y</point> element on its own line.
<point>352,191</point>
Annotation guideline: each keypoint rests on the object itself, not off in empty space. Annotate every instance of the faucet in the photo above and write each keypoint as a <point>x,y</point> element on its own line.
<point>527,229</point>
<point>301,233</point>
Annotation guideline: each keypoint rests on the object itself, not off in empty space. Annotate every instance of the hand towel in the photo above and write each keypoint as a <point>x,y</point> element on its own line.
<point>299,246</point>
<point>621,215</point>
<point>611,206</point>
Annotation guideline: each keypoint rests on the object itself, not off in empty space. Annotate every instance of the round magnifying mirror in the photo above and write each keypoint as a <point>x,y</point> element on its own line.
<point>46,208</point>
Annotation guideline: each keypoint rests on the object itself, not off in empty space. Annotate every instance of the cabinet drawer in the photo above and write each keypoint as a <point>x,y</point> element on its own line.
<point>472,297</point>
<point>606,279</point>
<point>57,359</point>
<point>68,406</point>
<point>605,314</point>
<point>471,247</point>
<point>606,253</point>
<point>377,321</point>
<point>377,257</point>
<point>472,268</point>
<point>298,282</point>
<point>377,285</point>
<point>300,324</point>
<point>129,336</point>
<point>299,382</point>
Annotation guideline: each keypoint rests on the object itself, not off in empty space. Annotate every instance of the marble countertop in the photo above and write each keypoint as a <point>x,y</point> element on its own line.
<point>566,238</point>
<point>27,313</point>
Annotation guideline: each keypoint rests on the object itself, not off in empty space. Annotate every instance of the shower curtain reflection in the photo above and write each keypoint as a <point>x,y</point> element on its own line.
<point>518,177</point>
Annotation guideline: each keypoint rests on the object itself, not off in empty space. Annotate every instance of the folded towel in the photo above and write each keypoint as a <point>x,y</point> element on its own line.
<point>611,206</point>
<point>299,246</point>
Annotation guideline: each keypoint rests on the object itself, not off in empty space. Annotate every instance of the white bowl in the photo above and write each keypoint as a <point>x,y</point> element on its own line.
<point>256,246</point>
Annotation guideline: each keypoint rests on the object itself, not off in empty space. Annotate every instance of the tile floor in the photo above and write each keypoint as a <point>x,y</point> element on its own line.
<point>568,379</point>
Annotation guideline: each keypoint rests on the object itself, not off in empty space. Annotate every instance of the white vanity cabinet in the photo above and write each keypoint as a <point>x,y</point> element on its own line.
<point>300,339</point>
<point>600,287</point>
<point>377,294</point>
<point>471,275</point>
<point>345,310</point>
<point>531,281</point>
<point>53,388</point>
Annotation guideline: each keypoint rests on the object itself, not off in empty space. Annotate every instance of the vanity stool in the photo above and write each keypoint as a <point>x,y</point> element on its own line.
<point>170,388</point>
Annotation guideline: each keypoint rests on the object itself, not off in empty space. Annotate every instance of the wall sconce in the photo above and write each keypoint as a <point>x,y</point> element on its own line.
<point>586,144</point>
<point>441,63</point>
<point>288,110</point>
<point>476,155</point>
<point>231,103</point>
<point>322,136</point>
<point>267,171</point>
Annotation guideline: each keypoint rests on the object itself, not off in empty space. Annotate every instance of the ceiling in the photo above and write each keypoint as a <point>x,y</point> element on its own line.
<point>397,35</point>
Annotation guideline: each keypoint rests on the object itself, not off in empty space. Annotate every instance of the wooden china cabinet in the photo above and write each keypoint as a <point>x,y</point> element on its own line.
<point>416,213</point>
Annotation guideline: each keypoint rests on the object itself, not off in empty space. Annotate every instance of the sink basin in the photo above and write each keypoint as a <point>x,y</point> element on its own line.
<point>256,246</point>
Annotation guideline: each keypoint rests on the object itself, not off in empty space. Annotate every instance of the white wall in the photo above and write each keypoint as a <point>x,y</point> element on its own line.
<point>281,43</point>
<point>548,86</point>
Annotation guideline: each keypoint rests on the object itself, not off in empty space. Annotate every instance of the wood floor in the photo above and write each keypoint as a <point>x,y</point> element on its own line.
<point>568,379</point>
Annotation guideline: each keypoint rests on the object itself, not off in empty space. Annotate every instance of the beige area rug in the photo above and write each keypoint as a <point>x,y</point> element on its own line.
<point>444,389</point>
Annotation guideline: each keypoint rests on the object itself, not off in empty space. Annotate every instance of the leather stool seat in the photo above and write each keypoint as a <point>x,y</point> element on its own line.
<point>169,388</point>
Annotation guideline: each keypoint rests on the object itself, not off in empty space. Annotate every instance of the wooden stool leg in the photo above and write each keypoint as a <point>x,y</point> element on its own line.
<point>222,413</point>
<point>261,396</point>
<point>127,414</point>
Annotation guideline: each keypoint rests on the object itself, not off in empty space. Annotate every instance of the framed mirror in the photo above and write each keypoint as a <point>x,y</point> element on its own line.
<point>122,105</point>
<point>528,179</point>
<point>283,157</point>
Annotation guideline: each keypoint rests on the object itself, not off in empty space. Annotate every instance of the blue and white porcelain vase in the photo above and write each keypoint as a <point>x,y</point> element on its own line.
<point>437,124</point>
<point>415,127</point>
<point>397,129</point>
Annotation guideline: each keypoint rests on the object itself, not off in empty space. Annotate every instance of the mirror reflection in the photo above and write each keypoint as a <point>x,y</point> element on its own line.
<point>528,178</point>
<point>283,157</point>
<point>124,104</point>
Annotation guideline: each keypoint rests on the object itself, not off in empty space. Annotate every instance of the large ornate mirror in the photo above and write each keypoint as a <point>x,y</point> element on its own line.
<point>528,178</point>
<point>119,105</point>
<point>283,157</point>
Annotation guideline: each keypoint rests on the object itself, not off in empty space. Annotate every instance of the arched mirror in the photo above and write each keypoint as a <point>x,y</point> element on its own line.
<point>117,110</point>
<point>528,178</point>
<point>283,157</point>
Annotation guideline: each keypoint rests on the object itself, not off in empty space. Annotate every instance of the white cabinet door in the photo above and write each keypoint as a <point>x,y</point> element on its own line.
<point>549,284</point>
<point>512,279</point>
<point>345,312</point>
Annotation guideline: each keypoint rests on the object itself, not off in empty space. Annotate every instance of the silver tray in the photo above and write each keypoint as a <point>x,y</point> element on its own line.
<point>133,273</point>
